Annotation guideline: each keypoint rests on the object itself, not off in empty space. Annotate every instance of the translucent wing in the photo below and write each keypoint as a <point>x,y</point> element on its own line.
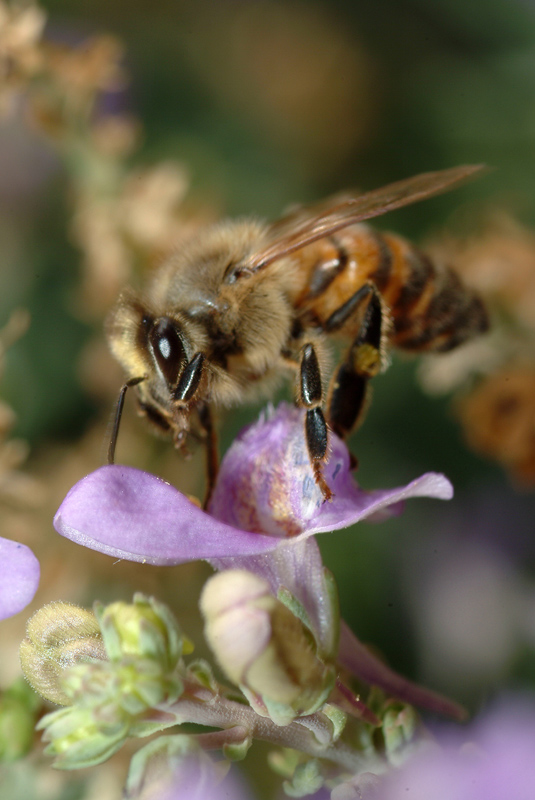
<point>306,225</point>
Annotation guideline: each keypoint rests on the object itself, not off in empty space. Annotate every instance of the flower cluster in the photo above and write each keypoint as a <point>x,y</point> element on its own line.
<point>497,372</point>
<point>108,670</point>
<point>305,682</point>
<point>73,89</point>
<point>19,568</point>
<point>20,57</point>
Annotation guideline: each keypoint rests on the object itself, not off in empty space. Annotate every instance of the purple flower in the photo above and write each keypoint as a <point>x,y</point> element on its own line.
<point>265,496</point>
<point>19,577</point>
<point>264,509</point>
<point>491,761</point>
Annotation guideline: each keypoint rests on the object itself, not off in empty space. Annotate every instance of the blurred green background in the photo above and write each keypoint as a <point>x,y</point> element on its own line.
<point>269,103</point>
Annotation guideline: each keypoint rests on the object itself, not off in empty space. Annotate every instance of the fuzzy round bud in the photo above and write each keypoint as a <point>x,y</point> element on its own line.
<point>59,636</point>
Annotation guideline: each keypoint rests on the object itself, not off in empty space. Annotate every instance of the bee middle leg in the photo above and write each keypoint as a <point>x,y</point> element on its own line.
<point>310,394</point>
<point>349,389</point>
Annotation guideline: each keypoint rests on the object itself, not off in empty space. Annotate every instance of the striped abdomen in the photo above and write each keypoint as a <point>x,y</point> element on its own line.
<point>429,307</point>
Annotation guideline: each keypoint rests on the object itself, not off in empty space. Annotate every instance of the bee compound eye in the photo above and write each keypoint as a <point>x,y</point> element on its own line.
<point>167,349</point>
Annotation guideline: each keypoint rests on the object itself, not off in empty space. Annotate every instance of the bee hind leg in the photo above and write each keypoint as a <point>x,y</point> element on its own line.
<point>310,397</point>
<point>349,388</point>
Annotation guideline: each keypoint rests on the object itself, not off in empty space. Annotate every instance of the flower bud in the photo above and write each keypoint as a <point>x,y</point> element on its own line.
<point>399,725</point>
<point>112,690</point>
<point>263,647</point>
<point>19,706</point>
<point>78,737</point>
<point>111,701</point>
<point>59,636</point>
<point>143,629</point>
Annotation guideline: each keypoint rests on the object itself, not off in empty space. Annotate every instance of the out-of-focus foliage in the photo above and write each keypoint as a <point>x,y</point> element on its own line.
<point>125,127</point>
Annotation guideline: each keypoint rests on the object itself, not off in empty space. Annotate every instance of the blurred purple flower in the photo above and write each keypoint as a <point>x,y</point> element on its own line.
<point>175,767</point>
<point>493,761</point>
<point>19,577</point>
<point>265,496</point>
<point>189,782</point>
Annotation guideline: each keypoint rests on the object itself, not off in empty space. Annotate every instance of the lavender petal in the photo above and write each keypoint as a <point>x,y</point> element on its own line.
<point>362,663</point>
<point>266,483</point>
<point>19,577</point>
<point>297,567</point>
<point>355,504</point>
<point>130,514</point>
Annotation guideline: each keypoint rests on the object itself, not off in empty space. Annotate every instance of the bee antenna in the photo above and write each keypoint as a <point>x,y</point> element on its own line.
<point>117,417</point>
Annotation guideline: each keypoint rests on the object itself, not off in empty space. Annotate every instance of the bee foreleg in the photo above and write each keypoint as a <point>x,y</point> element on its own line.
<point>310,396</point>
<point>212,455</point>
<point>117,416</point>
<point>348,392</point>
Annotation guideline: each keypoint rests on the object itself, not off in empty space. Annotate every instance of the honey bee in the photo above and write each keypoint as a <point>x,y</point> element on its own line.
<point>245,302</point>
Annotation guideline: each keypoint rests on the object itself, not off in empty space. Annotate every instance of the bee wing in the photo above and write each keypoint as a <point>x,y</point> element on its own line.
<point>306,225</point>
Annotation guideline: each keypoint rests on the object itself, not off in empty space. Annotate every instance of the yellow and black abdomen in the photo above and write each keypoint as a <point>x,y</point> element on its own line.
<point>429,307</point>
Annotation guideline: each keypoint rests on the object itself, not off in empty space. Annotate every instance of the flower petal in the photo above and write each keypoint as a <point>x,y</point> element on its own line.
<point>265,486</point>
<point>266,483</point>
<point>297,567</point>
<point>19,577</point>
<point>356,504</point>
<point>130,514</point>
<point>360,661</point>
<point>491,760</point>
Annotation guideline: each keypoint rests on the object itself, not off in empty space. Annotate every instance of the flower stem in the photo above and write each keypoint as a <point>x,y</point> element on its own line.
<point>201,706</point>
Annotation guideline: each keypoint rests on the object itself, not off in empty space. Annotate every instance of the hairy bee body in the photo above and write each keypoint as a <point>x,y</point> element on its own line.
<point>246,303</point>
<point>240,328</point>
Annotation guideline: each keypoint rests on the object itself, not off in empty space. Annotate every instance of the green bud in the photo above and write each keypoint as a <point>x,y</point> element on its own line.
<point>59,636</point>
<point>399,725</point>
<point>263,647</point>
<point>307,779</point>
<point>112,699</point>
<point>284,761</point>
<point>143,629</point>
<point>18,709</point>
<point>80,738</point>
<point>200,671</point>
<point>337,717</point>
<point>238,750</point>
<point>111,702</point>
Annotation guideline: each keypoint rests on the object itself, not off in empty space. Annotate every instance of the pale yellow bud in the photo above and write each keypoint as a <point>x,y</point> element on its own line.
<point>262,646</point>
<point>144,629</point>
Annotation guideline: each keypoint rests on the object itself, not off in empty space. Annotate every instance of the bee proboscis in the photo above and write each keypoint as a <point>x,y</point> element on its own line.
<point>244,302</point>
